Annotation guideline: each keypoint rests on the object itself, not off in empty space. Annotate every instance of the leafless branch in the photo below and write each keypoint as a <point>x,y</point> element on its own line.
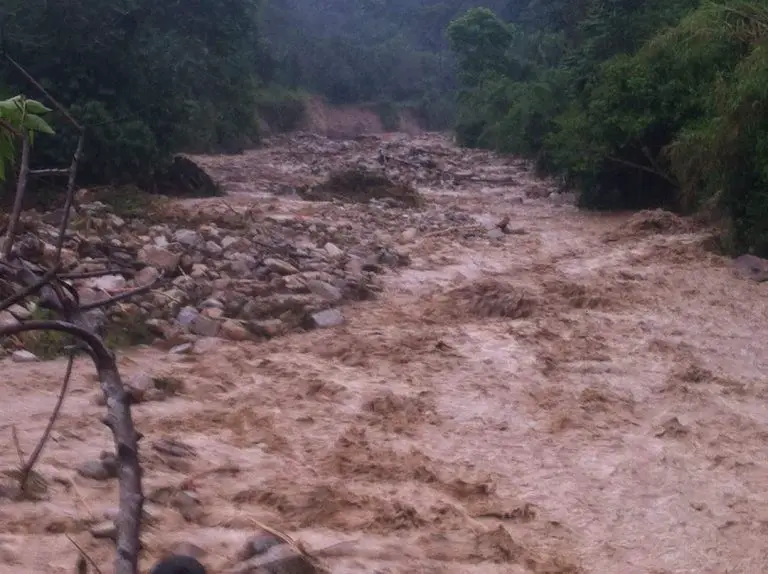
<point>121,297</point>
<point>70,197</point>
<point>17,444</point>
<point>45,92</point>
<point>29,290</point>
<point>29,465</point>
<point>83,557</point>
<point>120,422</point>
<point>91,274</point>
<point>56,294</point>
<point>48,172</point>
<point>21,186</point>
<point>10,127</point>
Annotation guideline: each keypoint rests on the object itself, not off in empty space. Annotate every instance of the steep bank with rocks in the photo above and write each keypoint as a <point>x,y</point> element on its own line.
<point>503,384</point>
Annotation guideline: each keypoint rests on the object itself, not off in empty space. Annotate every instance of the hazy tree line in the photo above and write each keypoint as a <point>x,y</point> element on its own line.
<point>370,51</point>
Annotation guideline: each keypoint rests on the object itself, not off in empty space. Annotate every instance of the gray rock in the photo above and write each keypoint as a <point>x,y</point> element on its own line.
<point>23,356</point>
<point>198,271</point>
<point>409,234</point>
<point>258,544</point>
<point>233,330</point>
<point>229,241</point>
<point>160,241</point>
<point>752,267</point>
<point>109,283</point>
<point>146,276</point>
<point>324,290</point>
<point>215,303</point>
<point>159,257</point>
<point>188,506</point>
<point>205,326</point>
<point>98,469</point>
<point>7,319</point>
<point>240,267</point>
<point>213,248</point>
<point>138,385</point>
<point>187,316</point>
<point>187,237</point>
<point>180,349</point>
<point>20,312</point>
<point>280,266</point>
<point>332,250</point>
<point>268,328</point>
<point>296,283</point>
<point>104,530</point>
<point>278,559</point>
<point>326,319</point>
<point>495,233</point>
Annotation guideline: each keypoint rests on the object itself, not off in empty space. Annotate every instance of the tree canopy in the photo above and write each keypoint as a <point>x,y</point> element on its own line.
<point>637,104</point>
<point>145,77</point>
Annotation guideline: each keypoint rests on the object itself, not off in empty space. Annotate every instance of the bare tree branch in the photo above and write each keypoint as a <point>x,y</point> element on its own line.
<point>21,187</point>
<point>83,557</point>
<point>10,127</point>
<point>35,83</point>
<point>121,297</point>
<point>29,290</point>
<point>70,197</point>
<point>29,465</point>
<point>100,273</point>
<point>55,294</point>
<point>120,422</point>
<point>49,172</point>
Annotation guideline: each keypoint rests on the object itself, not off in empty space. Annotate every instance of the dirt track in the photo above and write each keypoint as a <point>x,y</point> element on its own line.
<point>586,394</point>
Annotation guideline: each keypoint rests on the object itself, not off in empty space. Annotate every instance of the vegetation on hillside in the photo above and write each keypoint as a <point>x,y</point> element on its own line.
<point>146,78</point>
<point>637,104</point>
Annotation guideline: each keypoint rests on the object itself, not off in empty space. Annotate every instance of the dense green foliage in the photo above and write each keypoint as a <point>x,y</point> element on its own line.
<point>655,103</point>
<point>148,78</point>
<point>19,117</point>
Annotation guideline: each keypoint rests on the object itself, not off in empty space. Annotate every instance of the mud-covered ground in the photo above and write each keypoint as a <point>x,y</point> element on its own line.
<point>580,394</point>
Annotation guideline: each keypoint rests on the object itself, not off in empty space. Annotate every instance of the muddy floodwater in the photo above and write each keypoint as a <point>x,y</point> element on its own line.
<point>565,393</point>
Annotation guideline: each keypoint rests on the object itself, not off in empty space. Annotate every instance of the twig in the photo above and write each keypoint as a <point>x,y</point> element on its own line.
<point>9,127</point>
<point>35,83</point>
<point>27,468</point>
<point>644,168</point>
<point>91,274</point>
<point>48,172</point>
<point>70,197</point>
<point>118,298</point>
<point>21,187</point>
<point>120,422</point>
<point>17,444</point>
<point>84,554</point>
<point>29,290</point>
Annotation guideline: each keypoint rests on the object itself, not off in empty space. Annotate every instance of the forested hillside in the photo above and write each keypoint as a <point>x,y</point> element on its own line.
<point>656,103</point>
<point>147,78</point>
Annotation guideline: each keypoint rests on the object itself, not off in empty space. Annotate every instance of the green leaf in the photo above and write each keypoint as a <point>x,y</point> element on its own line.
<point>38,124</point>
<point>35,107</point>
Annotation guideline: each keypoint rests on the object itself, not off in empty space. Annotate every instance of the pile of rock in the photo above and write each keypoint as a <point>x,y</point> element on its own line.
<point>261,280</point>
